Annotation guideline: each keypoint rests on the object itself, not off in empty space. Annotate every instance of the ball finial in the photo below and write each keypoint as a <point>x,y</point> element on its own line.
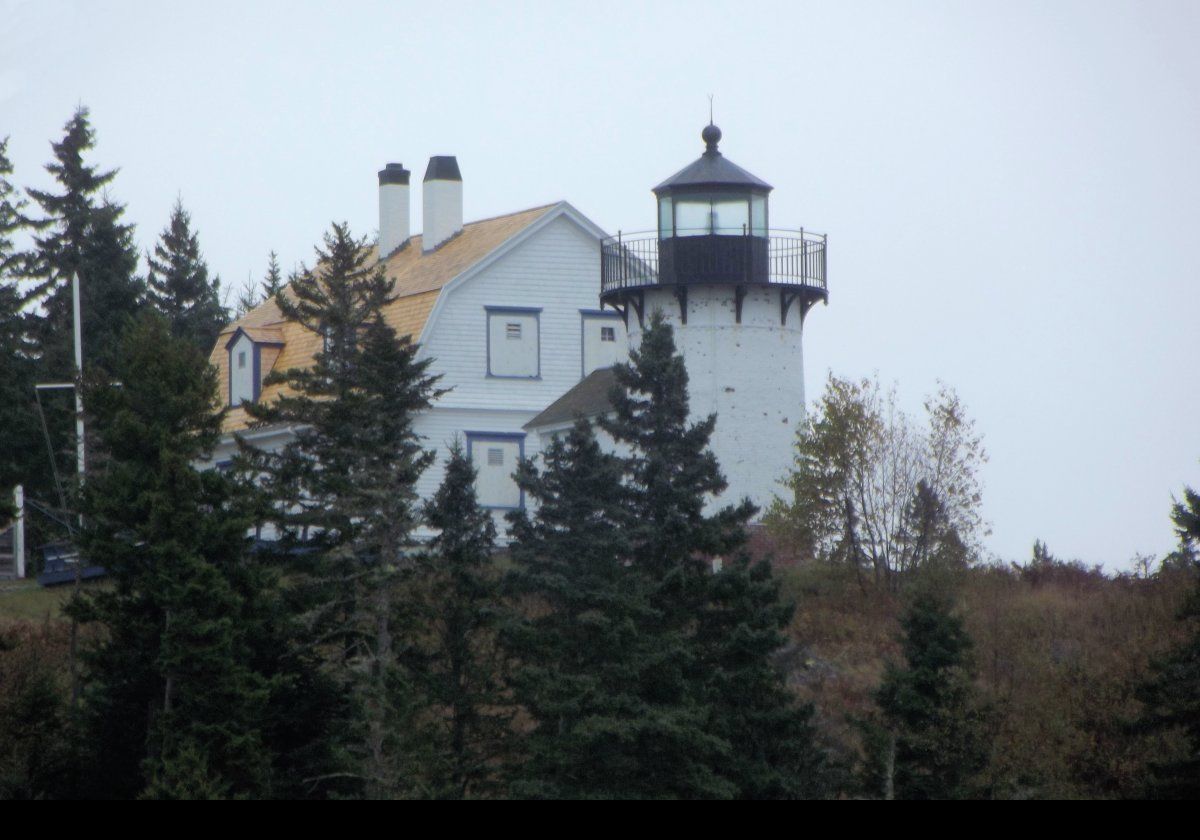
<point>711,137</point>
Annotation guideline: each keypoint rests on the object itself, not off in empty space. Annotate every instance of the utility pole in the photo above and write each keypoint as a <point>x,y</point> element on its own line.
<point>19,531</point>
<point>79,467</point>
<point>80,452</point>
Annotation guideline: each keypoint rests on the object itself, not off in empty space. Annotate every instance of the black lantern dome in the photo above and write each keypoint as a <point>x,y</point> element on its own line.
<point>712,196</point>
<point>713,230</point>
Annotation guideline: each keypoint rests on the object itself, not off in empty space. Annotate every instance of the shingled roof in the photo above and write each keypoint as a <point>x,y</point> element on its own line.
<point>419,279</point>
<point>589,398</point>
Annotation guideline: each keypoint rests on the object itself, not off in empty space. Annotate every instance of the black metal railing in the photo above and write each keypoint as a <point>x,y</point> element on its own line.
<point>638,260</point>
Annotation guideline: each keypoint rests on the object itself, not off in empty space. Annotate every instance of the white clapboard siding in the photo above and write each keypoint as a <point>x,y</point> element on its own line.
<point>556,270</point>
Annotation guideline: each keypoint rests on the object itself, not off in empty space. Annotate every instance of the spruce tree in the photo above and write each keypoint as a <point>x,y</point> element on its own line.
<point>600,671</point>
<point>344,490</point>
<point>773,752</point>
<point>1171,696</point>
<point>456,662</point>
<point>22,452</point>
<point>178,285</point>
<point>273,282</point>
<point>729,622</point>
<point>935,746</point>
<point>81,232</point>
<point>670,470</point>
<point>247,297</point>
<point>173,702</point>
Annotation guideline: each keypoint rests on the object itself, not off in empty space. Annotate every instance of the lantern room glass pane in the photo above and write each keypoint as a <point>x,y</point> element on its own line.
<point>692,216</point>
<point>666,226</point>
<point>730,217</point>
<point>758,215</point>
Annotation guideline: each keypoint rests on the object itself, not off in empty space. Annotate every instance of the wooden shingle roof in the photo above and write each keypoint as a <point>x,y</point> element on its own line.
<point>419,279</point>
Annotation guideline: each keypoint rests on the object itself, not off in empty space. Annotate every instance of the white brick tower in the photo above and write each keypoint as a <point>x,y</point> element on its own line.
<point>736,293</point>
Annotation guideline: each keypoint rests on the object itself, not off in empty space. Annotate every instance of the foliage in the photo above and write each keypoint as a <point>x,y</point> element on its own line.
<point>1172,694</point>
<point>22,453</point>
<point>81,233</point>
<point>178,286</point>
<point>597,676</point>
<point>174,671</point>
<point>456,662</point>
<point>648,674</point>
<point>876,493</point>
<point>343,491</point>
<point>34,748</point>
<point>930,711</point>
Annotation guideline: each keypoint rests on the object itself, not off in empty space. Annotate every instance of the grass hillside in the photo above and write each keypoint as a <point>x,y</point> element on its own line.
<point>1058,652</point>
<point>25,601</point>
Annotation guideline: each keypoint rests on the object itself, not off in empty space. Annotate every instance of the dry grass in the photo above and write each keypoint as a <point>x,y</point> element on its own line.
<point>1058,657</point>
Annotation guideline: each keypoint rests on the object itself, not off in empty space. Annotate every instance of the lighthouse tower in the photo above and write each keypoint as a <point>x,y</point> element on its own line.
<point>736,292</point>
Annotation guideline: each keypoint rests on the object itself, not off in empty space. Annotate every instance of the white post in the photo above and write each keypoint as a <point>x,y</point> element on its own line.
<point>19,531</point>
<point>79,449</point>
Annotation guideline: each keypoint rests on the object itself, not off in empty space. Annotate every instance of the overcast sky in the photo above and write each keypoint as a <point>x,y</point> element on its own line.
<point>1011,190</point>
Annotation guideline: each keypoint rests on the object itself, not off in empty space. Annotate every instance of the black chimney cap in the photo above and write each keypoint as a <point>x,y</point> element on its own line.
<point>443,168</point>
<point>394,173</point>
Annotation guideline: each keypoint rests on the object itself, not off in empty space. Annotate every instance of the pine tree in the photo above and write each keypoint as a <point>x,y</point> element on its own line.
<point>178,286</point>
<point>730,621</point>
<point>81,232</point>
<point>22,452</point>
<point>932,717</point>
<point>773,744</point>
<point>273,283</point>
<point>457,664</point>
<point>173,679</point>
<point>247,298</point>
<point>1172,694</point>
<point>599,671</point>
<point>671,471</point>
<point>344,488</point>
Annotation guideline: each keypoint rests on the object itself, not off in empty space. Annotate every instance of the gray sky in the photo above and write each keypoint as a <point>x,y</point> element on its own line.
<point>1010,189</point>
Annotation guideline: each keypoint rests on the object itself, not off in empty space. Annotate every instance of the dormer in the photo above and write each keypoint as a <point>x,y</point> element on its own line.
<point>252,352</point>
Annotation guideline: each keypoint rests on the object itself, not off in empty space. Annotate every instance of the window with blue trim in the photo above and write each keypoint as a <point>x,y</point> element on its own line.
<point>513,343</point>
<point>495,456</point>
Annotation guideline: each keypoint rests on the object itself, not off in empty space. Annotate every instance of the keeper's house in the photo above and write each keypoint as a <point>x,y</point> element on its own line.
<point>506,307</point>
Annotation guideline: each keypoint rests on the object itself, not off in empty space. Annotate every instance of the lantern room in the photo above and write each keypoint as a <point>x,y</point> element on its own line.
<point>713,230</point>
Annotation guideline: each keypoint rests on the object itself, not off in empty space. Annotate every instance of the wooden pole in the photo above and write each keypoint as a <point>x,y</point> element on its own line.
<point>19,531</point>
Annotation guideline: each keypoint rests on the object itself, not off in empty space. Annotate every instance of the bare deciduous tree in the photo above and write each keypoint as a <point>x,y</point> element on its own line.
<point>878,492</point>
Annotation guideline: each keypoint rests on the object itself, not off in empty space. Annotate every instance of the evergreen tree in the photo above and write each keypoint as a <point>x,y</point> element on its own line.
<point>773,748</point>
<point>22,452</point>
<point>731,620</point>
<point>81,232</point>
<point>273,283</point>
<point>934,724</point>
<point>178,286</point>
<point>671,472</point>
<point>172,692</point>
<point>656,667</point>
<point>599,671</point>
<point>247,298</point>
<point>456,661</point>
<point>344,490</point>
<point>1172,695</point>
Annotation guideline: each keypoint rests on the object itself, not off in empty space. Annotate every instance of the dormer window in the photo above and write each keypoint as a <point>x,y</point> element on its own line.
<point>247,347</point>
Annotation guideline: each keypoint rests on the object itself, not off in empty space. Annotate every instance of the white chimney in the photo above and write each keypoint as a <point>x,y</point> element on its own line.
<point>393,208</point>
<point>441,198</point>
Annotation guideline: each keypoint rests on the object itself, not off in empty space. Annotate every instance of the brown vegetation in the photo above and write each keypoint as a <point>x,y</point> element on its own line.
<point>1059,652</point>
